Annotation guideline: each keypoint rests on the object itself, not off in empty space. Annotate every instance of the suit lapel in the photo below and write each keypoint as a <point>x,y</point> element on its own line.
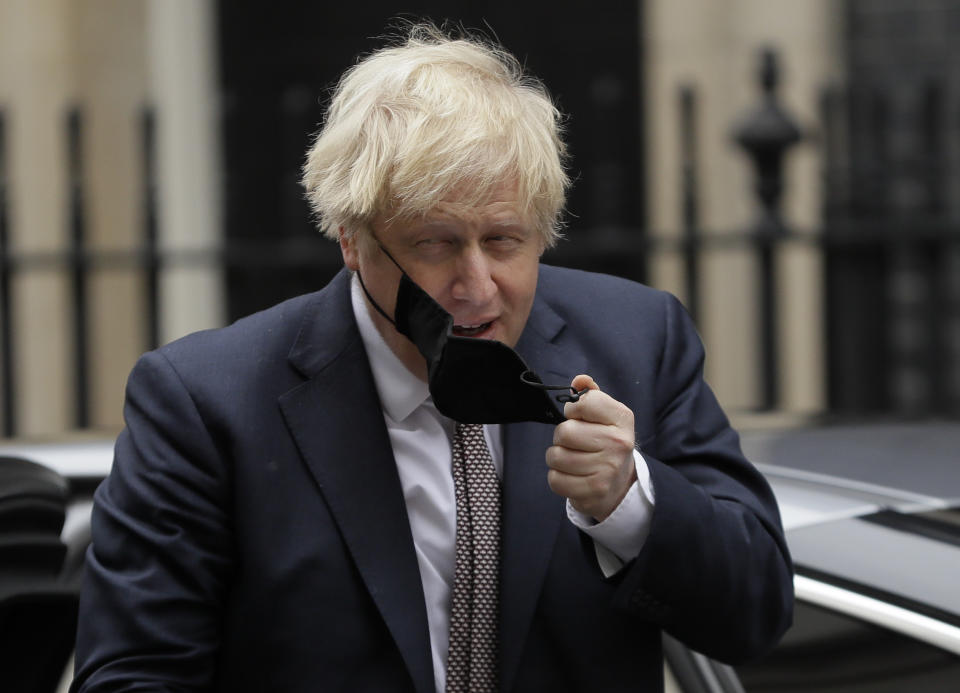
<point>532,513</point>
<point>336,422</point>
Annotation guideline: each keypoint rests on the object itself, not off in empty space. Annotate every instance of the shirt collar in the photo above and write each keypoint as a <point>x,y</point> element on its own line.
<point>401,392</point>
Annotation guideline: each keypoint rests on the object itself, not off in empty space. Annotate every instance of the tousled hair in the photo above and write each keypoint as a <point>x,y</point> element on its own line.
<point>412,123</point>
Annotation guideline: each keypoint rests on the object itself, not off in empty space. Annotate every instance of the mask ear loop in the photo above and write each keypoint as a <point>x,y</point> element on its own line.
<point>364,286</point>
<point>373,302</point>
<point>533,380</point>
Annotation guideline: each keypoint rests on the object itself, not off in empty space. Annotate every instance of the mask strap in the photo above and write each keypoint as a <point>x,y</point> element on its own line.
<point>387,253</point>
<point>374,303</point>
<point>530,378</point>
<point>364,286</point>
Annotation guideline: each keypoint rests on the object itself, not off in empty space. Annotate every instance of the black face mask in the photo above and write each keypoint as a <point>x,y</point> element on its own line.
<point>471,380</point>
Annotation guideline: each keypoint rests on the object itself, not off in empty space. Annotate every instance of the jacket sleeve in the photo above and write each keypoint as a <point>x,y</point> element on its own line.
<point>714,571</point>
<point>161,554</point>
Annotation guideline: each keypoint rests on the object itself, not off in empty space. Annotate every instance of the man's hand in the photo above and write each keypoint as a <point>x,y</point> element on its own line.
<point>591,459</point>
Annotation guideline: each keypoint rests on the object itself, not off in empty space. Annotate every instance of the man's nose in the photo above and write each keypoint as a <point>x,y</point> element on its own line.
<point>473,282</point>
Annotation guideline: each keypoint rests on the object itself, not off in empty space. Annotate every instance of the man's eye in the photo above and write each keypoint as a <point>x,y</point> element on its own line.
<point>433,247</point>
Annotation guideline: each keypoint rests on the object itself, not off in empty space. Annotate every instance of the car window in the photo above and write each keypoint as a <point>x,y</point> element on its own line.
<point>827,652</point>
<point>948,516</point>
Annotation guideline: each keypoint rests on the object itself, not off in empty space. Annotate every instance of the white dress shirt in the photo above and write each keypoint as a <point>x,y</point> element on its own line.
<point>421,438</point>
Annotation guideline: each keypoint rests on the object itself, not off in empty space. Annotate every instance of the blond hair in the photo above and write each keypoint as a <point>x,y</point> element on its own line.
<point>410,124</point>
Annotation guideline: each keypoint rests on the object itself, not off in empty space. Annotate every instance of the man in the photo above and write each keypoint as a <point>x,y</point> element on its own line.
<point>291,509</point>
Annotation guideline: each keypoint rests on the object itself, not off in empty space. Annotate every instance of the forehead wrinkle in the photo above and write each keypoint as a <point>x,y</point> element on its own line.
<point>500,212</point>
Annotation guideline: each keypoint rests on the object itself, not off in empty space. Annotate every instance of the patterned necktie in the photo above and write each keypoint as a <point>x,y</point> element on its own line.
<point>472,659</point>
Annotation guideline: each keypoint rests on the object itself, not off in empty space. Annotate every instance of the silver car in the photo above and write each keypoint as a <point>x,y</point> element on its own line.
<point>872,518</point>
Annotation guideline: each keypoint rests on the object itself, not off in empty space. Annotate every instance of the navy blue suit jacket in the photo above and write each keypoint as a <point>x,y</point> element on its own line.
<point>252,534</point>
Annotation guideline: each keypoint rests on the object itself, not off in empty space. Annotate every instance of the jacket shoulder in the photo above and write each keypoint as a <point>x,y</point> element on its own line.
<point>269,332</point>
<point>561,280</point>
<point>573,292</point>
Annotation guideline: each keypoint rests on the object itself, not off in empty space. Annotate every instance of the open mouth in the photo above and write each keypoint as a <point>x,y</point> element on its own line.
<point>471,330</point>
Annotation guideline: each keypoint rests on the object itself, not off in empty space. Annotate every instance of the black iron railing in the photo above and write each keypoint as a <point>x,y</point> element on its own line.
<point>875,247</point>
<point>9,385</point>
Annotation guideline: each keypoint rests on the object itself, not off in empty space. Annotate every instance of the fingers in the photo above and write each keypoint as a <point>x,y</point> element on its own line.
<point>596,406</point>
<point>593,483</point>
<point>573,462</point>
<point>588,493</point>
<point>588,436</point>
<point>591,459</point>
<point>584,382</point>
<point>581,448</point>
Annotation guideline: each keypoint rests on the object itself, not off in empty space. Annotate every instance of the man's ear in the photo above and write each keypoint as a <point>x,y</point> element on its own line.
<point>348,246</point>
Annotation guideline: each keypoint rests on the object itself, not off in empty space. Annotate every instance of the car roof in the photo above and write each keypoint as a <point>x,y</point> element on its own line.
<point>83,457</point>
<point>809,498</point>
<point>906,559</point>
<point>827,473</point>
<point>922,458</point>
<point>823,473</point>
<point>874,508</point>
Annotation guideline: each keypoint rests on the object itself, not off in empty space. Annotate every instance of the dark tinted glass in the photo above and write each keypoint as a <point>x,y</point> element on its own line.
<point>825,652</point>
<point>949,516</point>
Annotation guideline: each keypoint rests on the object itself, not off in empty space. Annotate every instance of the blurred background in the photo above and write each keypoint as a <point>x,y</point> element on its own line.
<point>786,168</point>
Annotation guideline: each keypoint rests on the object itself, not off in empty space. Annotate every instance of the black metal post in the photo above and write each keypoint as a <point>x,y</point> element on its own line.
<point>148,129</point>
<point>768,324</point>
<point>8,393</point>
<point>766,132</point>
<point>78,268</point>
<point>940,312</point>
<point>690,209</point>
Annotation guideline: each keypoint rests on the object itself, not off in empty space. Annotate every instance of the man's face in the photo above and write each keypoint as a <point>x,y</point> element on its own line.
<point>478,262</point>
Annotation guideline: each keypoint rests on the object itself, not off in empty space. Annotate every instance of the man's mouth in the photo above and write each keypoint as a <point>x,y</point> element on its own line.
<point>471,330</point>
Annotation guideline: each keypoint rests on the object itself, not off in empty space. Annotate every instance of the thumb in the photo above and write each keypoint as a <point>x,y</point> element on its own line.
<point>584,382</point>
<point>572,410</point>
